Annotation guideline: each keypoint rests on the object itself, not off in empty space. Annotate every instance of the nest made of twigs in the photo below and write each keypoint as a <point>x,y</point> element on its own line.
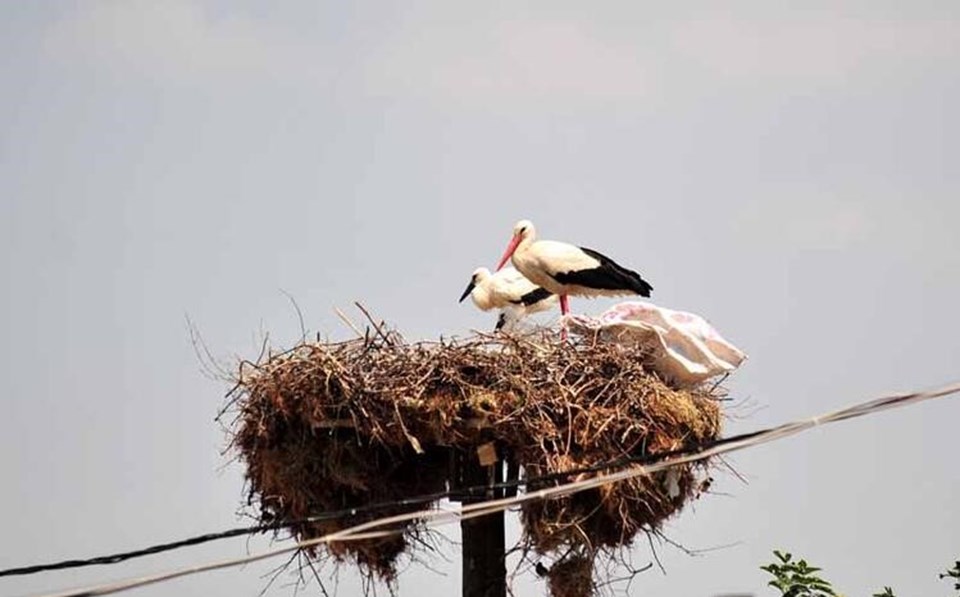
<point>328,426</point>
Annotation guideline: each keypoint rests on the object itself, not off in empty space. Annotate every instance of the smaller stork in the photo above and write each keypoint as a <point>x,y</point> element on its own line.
<point>565,269</point>
<point>509,291</point>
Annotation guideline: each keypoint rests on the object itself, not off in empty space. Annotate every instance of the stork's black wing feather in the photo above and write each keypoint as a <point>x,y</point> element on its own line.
<point>534,296</point>
<point>608,276</point>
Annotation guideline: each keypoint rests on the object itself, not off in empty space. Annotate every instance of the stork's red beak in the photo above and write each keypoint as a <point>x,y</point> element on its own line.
<point>509,252</point>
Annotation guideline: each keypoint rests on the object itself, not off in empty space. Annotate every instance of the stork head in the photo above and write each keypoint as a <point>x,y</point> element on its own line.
<point>523,230</point>
<point>479,275</point>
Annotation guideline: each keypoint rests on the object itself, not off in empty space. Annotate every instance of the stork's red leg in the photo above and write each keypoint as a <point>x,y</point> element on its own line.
<point>564,309</point>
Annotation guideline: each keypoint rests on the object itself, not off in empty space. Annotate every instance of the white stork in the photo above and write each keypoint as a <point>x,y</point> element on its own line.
<point>564,269</point>
<point>509,291</point>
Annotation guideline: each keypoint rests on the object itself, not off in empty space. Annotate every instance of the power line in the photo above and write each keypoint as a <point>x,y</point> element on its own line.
<point>437,517</point>
<point>128,555</point>
<point>647,465</point>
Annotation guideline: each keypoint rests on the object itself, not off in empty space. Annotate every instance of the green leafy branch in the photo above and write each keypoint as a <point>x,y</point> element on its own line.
<point>797,578</point>
<point>953,573</point>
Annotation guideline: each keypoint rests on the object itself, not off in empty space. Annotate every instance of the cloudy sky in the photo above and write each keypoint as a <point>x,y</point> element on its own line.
<point>793,174</point>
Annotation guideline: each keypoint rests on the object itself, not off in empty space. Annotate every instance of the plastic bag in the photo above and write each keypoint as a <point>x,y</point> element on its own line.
<point>684,348</point>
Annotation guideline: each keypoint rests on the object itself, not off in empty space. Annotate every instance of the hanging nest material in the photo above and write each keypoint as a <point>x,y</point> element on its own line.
<point>328,426</point>
<point>571,576</point>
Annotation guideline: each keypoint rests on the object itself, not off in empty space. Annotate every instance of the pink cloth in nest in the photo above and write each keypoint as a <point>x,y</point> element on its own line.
<point>686,350</point>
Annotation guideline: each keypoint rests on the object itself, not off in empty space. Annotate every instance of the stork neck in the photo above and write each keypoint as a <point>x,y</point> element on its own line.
<point>525,241</point>
<point>481,297</point>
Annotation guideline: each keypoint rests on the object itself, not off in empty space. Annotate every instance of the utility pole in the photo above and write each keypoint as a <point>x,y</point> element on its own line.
<point>484,565</point>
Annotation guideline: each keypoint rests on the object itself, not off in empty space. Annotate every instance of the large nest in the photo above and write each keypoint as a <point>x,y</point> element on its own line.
<point>329,426</point>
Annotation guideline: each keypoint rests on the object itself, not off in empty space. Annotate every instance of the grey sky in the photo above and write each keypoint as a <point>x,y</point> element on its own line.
<point>791,174</point>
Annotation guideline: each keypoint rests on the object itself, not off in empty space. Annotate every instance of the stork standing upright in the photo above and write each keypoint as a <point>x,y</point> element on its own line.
<point>565,269</point>
<point>509,291</point>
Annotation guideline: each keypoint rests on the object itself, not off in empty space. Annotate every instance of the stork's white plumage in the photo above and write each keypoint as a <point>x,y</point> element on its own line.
<point>565,269</point>
<point>509,291</point>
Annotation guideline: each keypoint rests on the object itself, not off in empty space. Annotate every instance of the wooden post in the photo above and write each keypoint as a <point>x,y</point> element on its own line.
<point>484,568</point>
